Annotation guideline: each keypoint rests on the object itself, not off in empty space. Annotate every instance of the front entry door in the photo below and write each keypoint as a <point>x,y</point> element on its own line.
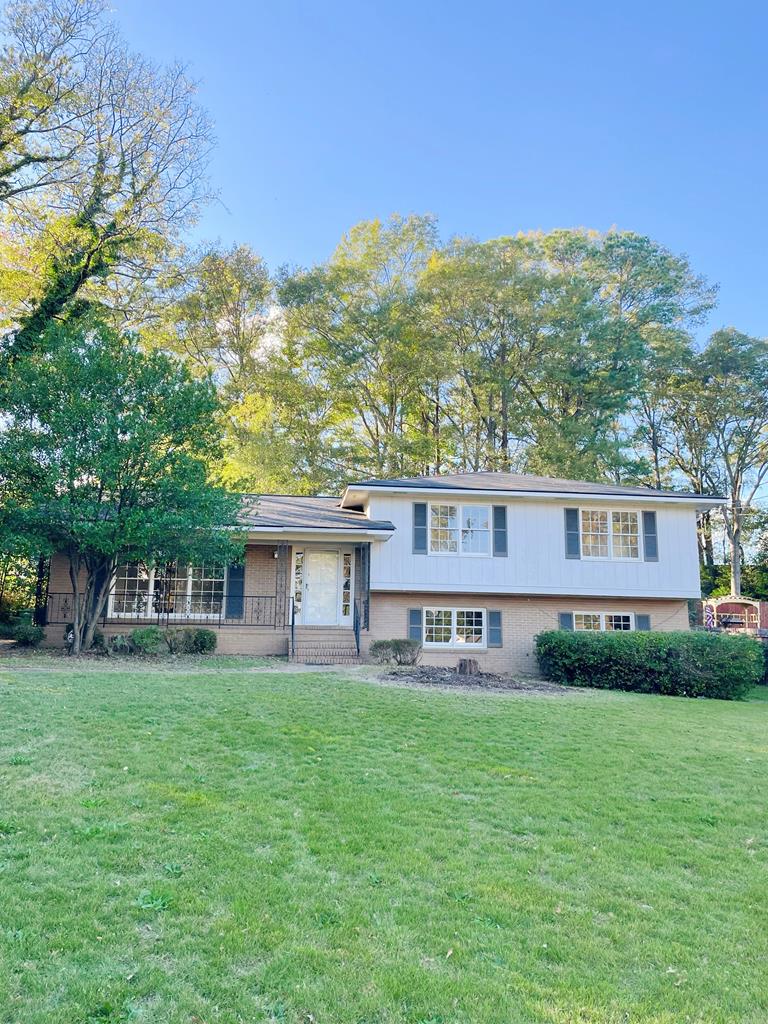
<point>321,588</point>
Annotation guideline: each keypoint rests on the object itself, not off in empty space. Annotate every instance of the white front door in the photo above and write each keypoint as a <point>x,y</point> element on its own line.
<point>321,588</point>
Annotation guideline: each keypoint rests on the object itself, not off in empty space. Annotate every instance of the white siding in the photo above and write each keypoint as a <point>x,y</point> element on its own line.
<point>536,563</point>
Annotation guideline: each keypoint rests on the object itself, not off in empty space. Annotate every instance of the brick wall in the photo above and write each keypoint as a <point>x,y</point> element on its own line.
<point>260,579</point>
<point>522,619</point>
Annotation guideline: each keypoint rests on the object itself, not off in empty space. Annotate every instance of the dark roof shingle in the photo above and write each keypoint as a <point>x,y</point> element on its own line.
<point>285,511</point>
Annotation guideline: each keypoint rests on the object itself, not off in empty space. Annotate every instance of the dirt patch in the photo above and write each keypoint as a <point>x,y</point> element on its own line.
<point>449,678</point>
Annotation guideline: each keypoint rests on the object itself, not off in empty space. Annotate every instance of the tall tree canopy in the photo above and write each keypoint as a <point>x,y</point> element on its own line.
<point>102,159</point>
<point>105,457</point>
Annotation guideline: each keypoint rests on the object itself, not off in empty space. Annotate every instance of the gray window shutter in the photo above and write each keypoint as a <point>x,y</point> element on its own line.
<point>566,620</point>
<point>572,533</point>
<point>643,623</point>
<point>419,528</point>
<point>650,537</point>
<point>235,587</point>
<point>500,531</point>
<point>414,624</point>
<point>494,629</point>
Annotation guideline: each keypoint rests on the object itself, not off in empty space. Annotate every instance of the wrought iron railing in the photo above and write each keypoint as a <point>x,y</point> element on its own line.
<point>249,610</point>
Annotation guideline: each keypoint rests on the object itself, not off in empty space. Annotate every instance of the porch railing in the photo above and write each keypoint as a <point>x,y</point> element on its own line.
<point>249,610</point>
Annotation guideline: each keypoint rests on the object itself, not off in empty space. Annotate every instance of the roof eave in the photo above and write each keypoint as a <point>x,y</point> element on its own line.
<point>702,502</point>
<point>381,533</point>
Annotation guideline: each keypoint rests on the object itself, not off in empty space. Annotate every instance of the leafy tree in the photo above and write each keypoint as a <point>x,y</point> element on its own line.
<point>102,160</point>
<point>219,312</point>
<point>715,407</point>
<point>353,327</point>
<point>105,458</point>
<point>551,334</point>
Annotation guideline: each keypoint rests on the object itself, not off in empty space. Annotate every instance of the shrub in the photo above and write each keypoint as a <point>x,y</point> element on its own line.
<point>147,640</point>
<point>179,641</point>
<point>28,635</point>
<point>204,641</point>
<point>191,641</point>
<point>120,643</point>
<point>695,664</point>
<point>401,652</point>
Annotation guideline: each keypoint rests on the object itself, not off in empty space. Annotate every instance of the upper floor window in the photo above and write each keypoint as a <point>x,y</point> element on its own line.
<point>459,529</point>
<point>607,534</point>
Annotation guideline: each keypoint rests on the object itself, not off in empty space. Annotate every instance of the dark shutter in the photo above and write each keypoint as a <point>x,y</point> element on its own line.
<point>500,531</point>
<point>643,623</point>
<point>235,589</point>
<point>566,620</point>
<point>414,624</point>
<point>419,528</point>
<point>650,537</point>
<point>494,629</point>
<point>572,534</point>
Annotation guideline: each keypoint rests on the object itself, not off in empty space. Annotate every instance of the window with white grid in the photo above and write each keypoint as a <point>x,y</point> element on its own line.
<point>444,529</point>
<point>470,627</point>
<point>603,621</point>
<point>625,535</point>
<point>438,626</point>
<point>169,589</point>
<point>595,541</point>
<point>454,627</point>
<point>460,529</point>
<point>611,534</point>
<point>615,622</point>
<point>346,584</point>
<point>206,589</point>
<point>475,529</point>
<point>131,589</point>
<point>587,621</point>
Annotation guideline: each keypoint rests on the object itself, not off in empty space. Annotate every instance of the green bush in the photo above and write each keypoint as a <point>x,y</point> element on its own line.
<point>695,664</point>
<point>401,652</point>
<point>191,640</point>
<point>147,640</point>
<point>28,635</point>
<point>204,641</point>
<point>179,641</point>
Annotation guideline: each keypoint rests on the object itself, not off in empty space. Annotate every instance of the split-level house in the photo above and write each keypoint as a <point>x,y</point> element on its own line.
<point>470,564</point>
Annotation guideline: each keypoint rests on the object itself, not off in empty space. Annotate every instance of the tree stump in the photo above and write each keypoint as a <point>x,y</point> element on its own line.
<point>468,667</point>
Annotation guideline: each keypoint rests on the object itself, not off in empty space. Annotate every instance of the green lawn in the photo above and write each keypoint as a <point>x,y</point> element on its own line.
<point>238,846</point>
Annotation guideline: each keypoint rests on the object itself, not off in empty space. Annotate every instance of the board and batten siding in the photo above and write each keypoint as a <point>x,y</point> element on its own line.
<point>536,561</point>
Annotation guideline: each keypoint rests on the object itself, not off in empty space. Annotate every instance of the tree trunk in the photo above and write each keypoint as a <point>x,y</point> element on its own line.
<point>74,579</point>
<point>734,540</point>
<point>95,607</point>
<point>706,548</point>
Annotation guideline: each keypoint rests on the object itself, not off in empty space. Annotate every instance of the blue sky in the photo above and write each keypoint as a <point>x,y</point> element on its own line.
<point>495,117</point>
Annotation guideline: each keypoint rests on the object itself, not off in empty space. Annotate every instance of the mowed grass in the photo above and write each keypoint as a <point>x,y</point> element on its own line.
<point>248,846</point>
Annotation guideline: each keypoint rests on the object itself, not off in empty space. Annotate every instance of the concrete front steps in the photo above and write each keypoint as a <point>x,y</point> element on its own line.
<point>324,645</point>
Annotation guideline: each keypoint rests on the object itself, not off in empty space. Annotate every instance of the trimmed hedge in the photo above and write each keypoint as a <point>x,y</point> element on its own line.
<point>401,652</point>
<point>695,664</point>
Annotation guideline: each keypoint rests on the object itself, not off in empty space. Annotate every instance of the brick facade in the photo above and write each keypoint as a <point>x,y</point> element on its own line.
<point>260,578</point>
<point>522,619</point>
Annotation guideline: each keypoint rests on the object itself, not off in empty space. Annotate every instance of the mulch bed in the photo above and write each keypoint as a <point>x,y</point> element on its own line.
<point>431,675</point>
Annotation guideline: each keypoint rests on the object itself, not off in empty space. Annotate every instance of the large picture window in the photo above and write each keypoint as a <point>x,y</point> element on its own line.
<point>606,534</point>
<point>459,529</point>
<point>171,589</point>
<point>454,627</point>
